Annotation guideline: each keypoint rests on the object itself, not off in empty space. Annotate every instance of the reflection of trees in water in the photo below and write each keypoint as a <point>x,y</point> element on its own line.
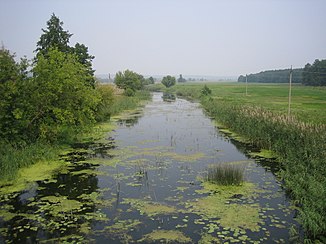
<point>131,120</point>
<point>33,211</point>
<point>168,97</point>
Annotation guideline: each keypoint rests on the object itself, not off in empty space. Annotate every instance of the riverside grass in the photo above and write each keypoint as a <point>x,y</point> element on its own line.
<point>299,140</point>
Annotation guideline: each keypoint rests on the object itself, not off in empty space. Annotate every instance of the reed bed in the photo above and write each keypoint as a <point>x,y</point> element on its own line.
<point>225,174</point>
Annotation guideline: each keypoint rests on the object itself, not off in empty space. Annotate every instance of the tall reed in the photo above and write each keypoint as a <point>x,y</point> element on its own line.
<point>225,174</point>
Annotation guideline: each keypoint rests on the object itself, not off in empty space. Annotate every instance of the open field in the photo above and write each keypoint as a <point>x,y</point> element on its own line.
<point>308,104</point>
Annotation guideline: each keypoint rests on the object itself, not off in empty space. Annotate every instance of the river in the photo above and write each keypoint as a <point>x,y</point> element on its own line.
<point>144,182</point>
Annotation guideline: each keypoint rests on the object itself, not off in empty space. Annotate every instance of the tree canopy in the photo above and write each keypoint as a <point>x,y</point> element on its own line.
<point>59,95</point>
<point>273,76</point>
<point>54,37</point>
<point>129,80</point>
<point>168,81</point>
<point>315,74</point>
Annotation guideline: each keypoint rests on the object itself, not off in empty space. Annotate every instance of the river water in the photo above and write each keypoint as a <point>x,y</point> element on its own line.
<point>144,183</point>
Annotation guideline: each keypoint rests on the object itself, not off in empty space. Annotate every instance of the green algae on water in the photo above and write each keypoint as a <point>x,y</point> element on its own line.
<point>219,205</point>
<point>27,176</point>
<point>150,208</point>
<point>166,236</point>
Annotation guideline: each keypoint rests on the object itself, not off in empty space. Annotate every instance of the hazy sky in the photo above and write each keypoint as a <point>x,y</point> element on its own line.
<point>204,37</point>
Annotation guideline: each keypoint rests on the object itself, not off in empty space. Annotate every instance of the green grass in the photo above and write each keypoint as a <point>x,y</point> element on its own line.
<point>308,103</point>
<point>299,141</point>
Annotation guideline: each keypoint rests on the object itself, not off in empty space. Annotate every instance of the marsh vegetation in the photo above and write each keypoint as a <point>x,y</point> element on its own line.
<point>144,182</point>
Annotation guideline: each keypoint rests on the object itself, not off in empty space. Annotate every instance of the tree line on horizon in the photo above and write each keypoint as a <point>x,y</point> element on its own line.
<point>311,75</point>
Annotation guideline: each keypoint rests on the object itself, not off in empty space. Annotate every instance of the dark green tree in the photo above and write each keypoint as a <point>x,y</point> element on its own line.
<point>83,57</point>
<point>129,81</point>
<point>54,36</point>
<point>13,81</point>
<point>181,79</point>
<point>9,70</point>
<point>168,81</point>
<point>315,74</point>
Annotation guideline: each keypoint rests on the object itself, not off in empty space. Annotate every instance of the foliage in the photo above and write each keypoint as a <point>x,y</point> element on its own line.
<point>106,93</point>
<point>206,91</point>
<point>315,74</point>
<point>62,95</point>
<point>168,81</point>
<point>148,81</point>
<point>129,79</point>
<point>83,57</point>
<point>53,37</point>
<point>273,76</point>
<point>12,80</point>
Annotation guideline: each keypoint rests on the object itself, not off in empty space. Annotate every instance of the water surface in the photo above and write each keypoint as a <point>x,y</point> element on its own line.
<point>144,183</point>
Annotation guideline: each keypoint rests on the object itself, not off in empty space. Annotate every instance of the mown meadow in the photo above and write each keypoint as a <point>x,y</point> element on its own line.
<point>261,118</point>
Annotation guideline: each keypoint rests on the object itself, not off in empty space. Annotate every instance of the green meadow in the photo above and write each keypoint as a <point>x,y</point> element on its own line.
<point>308,103</point>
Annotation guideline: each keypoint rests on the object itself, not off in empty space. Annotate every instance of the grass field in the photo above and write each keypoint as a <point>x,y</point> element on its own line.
<point>308,104</point>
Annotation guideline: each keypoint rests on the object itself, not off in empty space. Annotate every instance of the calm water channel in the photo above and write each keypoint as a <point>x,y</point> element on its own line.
<point>143,184</point>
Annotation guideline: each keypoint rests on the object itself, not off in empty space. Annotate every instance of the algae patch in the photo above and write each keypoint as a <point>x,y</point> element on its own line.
<point>150,208</point>
<point>166,236</point>
<point>38,172</point>
<point>264,154</point>
<point>222,204</point>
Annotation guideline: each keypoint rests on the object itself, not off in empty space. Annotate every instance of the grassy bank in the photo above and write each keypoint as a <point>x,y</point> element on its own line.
<point>300,141</point>
<point>13,158</point>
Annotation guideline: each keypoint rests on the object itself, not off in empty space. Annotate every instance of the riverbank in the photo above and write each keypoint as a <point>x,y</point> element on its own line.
<point>12,158</point>
<point>299,141</point>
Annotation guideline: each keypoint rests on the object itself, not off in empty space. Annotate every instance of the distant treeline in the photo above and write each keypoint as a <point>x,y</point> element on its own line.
<point>274,76</point>
<point>312,75</point>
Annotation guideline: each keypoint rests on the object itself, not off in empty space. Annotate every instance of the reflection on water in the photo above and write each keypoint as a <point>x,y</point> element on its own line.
<point>144,185</point>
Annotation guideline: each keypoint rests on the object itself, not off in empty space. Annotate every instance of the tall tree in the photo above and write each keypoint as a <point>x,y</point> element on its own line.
<point>315,74</point>
<point>12,81</point>
<point>83,57</point>
<point>54,36</point>
<point>8,66</point>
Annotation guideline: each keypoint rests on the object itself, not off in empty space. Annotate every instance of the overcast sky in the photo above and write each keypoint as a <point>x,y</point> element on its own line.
<point>203,37</point>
